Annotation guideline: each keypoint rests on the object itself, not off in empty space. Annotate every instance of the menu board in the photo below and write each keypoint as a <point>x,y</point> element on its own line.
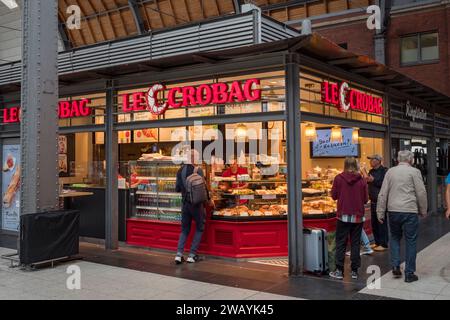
<point>322,147</point>
<point>11,187</point>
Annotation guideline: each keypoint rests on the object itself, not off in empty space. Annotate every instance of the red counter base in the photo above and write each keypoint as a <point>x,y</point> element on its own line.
<point>222,238</point>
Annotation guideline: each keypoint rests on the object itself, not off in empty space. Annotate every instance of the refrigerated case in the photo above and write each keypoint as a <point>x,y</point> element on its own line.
<point>154,196</point>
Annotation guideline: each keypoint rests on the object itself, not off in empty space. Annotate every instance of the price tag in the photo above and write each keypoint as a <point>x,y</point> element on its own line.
<point>269,196</point>
<point>247,197</point>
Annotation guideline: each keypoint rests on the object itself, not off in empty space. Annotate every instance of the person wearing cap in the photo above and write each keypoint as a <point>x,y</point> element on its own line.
<point>375,181</point>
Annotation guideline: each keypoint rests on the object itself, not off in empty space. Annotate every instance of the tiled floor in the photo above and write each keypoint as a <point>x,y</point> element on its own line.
<point>102,282</point>
<point>245,280</point>
<point>433,269</point>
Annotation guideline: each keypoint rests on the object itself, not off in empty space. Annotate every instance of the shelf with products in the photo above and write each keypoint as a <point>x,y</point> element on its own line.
<point>249,195</point>
<point>316,197</point>
<point>153,195</point>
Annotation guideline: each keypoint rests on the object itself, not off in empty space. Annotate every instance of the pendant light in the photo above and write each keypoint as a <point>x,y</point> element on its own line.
<point>355,136</point>
<point>310,132</point>
<point>336,134</point>
<point>241,131</point>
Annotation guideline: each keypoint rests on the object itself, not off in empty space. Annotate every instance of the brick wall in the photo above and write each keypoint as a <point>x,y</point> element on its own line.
<point>359,39</point>
<point>435,75</point>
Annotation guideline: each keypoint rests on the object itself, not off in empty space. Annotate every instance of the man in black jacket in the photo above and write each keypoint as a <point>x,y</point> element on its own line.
<point>190,212</point>
<point>375,181</point>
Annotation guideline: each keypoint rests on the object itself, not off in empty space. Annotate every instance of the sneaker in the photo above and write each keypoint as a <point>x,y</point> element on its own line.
<point>337,275</point>
<point>373,245</point>
<point>379,249</point>
<point>366,251</point>
<point>354,275</point>
<point>397,272</point>
<point>411,277</point>
<point>179,259</point>
<point>192,259</point>
<point>361,253</point>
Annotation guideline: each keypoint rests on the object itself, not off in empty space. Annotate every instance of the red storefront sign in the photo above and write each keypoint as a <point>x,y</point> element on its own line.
<point>66,109</point>
<point>345,98</point>
<point>189,96</point>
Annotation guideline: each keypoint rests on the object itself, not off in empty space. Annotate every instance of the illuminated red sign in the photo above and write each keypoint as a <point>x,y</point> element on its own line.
<point>178,97</point>
<point>66,109</point>
<point>345,98</point>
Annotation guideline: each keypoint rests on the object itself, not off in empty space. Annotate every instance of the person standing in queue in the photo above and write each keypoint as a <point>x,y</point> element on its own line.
<point>351,192</point>
<point>375,180</point>
<point>189,210</point>
<point>404,197</point>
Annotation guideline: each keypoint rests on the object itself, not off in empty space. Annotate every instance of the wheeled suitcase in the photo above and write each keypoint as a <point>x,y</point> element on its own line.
<point>315,250</point>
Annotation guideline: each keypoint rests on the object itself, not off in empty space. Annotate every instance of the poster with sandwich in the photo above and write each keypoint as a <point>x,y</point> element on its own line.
<point>11,187</point>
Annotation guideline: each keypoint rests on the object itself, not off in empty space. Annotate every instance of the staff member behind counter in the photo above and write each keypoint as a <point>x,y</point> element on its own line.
<point>233,171</point>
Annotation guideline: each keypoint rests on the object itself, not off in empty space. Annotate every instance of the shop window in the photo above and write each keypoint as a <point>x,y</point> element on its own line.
<point>419,48</point>
<point>81,160</point>
<point>324,148</point>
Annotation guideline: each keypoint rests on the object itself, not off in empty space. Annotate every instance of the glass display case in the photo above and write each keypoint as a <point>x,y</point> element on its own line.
<point>251,195</point>
<point>153,195</point>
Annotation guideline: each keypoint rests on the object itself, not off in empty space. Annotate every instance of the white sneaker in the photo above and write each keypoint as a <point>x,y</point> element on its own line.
<point>179,259</point>
<point>366,251</point>
<point>192,259</point>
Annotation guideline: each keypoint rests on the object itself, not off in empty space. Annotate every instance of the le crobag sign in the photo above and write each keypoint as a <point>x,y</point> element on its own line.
<point>190,96</point>
<point>346,98</point>
<point>66,109</point>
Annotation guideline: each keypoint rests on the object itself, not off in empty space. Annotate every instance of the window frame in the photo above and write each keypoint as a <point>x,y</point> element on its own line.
<point>419,61</point>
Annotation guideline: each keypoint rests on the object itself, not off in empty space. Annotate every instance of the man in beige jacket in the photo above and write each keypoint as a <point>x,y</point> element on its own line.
<point>404,197</point>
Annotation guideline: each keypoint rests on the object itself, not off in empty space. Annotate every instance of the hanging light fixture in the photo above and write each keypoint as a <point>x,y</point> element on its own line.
<point>310,132</point>
<point>241,131</point>
<point>336,134</point>
<point>355,136</point>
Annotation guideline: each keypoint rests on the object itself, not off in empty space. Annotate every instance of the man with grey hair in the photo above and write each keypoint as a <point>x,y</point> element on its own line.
<point>404,197</point>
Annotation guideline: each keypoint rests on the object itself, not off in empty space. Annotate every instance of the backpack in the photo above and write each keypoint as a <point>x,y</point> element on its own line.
<point>195,186</point>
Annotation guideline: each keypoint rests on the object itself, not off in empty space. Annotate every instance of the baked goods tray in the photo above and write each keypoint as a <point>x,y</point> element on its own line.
<point>243,219</point>
<point>254,196</point>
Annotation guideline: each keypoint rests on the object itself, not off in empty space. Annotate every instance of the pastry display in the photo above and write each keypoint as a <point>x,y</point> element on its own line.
<point>244,211</point>
<point>311,191</point>
<point>319,205</point>
<point>241,192</point>
<point>243,177</point>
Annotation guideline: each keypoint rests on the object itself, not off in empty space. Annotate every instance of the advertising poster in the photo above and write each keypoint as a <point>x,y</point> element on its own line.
<point>11,187</point>
<point>62,160</point>
<point>62,144</point>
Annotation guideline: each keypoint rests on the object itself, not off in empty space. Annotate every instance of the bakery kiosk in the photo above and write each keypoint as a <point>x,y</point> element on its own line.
<point>245,160</point>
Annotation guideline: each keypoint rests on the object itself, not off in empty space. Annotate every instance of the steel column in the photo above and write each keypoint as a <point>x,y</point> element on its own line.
<point>39,124</point>
<point>112,160</point>
<point>293,120</point>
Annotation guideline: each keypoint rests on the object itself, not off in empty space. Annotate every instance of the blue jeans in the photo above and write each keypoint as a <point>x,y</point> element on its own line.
<point>189,213</point>
<point>407,223</point>
<point>365,240</point>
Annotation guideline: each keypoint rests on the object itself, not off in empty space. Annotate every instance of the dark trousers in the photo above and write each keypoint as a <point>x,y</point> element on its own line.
<point>380,231</point>
<point>407,223</point>
<point>189,213</point>
<point>343,231</point>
